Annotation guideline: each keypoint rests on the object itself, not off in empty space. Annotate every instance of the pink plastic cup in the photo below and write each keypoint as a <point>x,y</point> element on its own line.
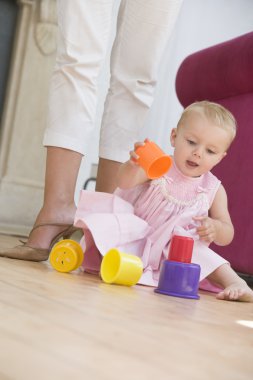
<point>181,248</point>
<point>153,160</point>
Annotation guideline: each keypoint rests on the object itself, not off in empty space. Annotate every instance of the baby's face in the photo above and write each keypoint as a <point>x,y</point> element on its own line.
<point>199,145</point>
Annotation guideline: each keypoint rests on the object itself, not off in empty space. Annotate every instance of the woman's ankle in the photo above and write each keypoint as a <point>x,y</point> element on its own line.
<point>64,213</point>
<point>41,237</point>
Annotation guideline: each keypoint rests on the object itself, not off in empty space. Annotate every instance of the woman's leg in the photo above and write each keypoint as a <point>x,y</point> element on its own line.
<point>62,169</point>
<point>107,175</point>
<point>84,30</point>
<point>143,31</point>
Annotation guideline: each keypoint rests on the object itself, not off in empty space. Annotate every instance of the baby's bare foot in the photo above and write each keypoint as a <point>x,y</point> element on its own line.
<point>239,291</point>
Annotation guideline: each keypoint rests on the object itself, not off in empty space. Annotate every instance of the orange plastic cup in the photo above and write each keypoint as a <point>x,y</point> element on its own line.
<point>153,160</point>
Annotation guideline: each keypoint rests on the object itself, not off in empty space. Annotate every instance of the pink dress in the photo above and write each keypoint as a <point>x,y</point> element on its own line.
<point>142,220</point>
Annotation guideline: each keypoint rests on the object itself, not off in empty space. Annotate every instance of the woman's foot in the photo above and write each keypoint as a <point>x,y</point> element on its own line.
<point>42,237</point>
<point>46,232</point>
<point>238,291</point>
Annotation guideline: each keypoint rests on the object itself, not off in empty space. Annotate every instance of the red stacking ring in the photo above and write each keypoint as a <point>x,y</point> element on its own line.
<point>181,249</point>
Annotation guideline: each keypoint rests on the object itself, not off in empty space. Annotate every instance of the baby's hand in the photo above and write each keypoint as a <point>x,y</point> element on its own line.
<point>133,155</point>
<point>207,230</point>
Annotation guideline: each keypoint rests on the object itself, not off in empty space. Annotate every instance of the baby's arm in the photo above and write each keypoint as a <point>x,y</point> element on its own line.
<point>130,174</point>
<point>217,227</point>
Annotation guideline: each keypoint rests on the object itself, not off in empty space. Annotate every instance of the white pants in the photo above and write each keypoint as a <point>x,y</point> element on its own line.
<point>143,30</point>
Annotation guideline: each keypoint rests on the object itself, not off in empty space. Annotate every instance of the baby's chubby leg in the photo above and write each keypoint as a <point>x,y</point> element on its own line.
<point>235,288</point>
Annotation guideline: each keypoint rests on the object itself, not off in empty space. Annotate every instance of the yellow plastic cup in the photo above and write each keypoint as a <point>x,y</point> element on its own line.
<point>121,268</point>
<point>153,160</point>
<point>66,255</point>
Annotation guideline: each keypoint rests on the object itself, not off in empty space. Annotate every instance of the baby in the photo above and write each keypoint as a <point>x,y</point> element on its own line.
<point>188,200</point>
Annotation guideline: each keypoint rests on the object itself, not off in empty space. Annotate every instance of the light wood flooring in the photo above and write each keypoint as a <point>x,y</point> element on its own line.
<point>73,326</point>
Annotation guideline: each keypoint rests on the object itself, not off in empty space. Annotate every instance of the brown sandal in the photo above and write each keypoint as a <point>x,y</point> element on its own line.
<point>25,252</point>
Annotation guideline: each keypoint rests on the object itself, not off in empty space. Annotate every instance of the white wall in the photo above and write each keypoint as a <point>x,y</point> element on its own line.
<point>201,23</point>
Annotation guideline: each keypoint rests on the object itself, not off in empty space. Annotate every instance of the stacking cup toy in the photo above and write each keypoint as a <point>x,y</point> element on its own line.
<point>66,255</point>
<point>121,268</point>
<point>181,249</point>
<point>179,279</point>
<point>153,160</point>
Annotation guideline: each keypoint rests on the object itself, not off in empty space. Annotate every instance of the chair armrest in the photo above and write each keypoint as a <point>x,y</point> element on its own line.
<point>218,72</point>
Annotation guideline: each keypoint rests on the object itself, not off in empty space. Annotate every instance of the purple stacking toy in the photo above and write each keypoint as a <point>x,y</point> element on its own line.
<point>179,277</point>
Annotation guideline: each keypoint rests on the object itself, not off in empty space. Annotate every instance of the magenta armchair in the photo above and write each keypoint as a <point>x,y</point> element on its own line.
<point>224,74</point>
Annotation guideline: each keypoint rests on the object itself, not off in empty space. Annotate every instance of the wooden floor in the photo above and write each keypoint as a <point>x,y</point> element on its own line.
<point>73,326</point>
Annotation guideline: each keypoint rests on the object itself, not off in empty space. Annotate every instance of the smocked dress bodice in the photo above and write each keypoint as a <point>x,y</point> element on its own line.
<point>172,195</point>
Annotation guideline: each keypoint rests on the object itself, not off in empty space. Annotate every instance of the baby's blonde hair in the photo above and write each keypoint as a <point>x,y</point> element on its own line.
<point>215,113</point>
